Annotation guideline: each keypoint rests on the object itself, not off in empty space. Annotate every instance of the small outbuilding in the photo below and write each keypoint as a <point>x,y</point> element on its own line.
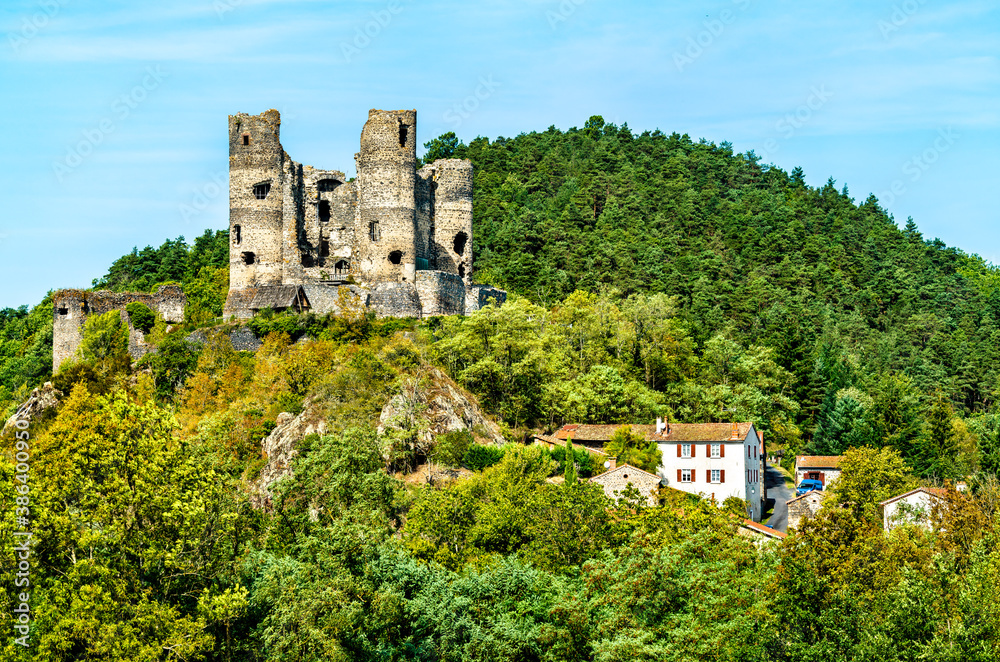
<point>913,507</point>
<point>617,479</point>
<point>824,468</point>
<point>803,507</point>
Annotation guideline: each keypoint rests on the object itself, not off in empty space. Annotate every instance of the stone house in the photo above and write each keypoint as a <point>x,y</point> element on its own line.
<point>617,479</point>
<point>913,507</point>
<point>594,437</point>
<point>803,507</point>
<point>824,468</point>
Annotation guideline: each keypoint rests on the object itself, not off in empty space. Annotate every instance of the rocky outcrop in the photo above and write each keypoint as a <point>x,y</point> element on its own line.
<point>40,399</point>
<point>280,448</point>
<point>436,406</point>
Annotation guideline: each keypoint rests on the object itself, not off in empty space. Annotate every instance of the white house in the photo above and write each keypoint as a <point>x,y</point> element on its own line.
<point>914,507</point>
<point>717,460</point>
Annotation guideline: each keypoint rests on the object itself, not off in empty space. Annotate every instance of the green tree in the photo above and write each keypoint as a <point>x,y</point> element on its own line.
<point>869,476</point>
<point>632,448</point>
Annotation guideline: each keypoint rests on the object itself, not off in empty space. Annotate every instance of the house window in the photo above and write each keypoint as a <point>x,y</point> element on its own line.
<point>373,231</point>
<point>716,450</point>
<point>685,475</point>
<point>685,450</point>
<point>260,191</point>
<point>716,476</point>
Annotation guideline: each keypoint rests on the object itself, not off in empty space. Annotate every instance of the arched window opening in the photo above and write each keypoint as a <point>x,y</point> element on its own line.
<point>327,185</point>
<point>260,191</point>
<point>324,211</point>
<point>460,240</point>
<point>249,258</point>
<point>396,257</point>
<point>341,268</point>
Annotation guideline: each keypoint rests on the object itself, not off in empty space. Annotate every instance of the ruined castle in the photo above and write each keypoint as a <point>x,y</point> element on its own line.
<point>396,240</point>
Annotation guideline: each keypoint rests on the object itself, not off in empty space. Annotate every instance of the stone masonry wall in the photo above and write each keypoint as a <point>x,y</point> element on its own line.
<point>71,308</point>
<point>386,182</point>
<point>395,300</point>
<point>478,296</point>
<point>440,293</point>
<point>453,217</point>
<point>255,225</point>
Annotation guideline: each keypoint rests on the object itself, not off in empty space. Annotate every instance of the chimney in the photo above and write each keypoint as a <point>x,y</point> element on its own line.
<point>612,463</point>
<point>735,435</point>
<point>659,426</point>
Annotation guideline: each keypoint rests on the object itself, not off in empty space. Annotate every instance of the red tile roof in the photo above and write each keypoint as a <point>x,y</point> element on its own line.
<point>756,526</point>
<point>599,432</point>
<point>703,432</point>
<point>933,491</point>
<point>817,461</point>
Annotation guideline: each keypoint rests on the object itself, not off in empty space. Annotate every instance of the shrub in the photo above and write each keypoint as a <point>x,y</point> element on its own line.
<point>142,317</point>
<point>452,447</point>
<point>478,457</point>
<point>583,459</point>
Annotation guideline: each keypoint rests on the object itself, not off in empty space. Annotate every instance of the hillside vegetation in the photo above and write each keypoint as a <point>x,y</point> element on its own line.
<point>649,276</point>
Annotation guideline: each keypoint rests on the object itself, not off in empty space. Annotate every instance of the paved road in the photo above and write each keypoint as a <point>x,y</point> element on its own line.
<point>777,494</point>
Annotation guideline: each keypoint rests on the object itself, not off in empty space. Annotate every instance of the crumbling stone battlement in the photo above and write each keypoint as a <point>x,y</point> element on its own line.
<point>71,308</point>
<point>385,233</point>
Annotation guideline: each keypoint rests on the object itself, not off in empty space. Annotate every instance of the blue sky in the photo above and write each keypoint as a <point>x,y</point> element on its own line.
<point>115,112</point>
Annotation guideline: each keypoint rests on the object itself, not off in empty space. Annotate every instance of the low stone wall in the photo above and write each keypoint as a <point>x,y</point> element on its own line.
<point>478,296</point>
<point>325,299</point>
<point>440,293</point>
<point>395,300</point>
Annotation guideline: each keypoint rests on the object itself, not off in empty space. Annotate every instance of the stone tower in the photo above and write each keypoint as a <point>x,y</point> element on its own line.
<point>453,217</point>
<point>386,246</point>
<point>256,161</point>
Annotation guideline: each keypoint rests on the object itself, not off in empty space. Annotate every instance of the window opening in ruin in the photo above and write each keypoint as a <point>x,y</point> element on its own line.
<point>461,271</point>
<point>403,129</point>
<point>324,211</point>
<point>246,138</point>
<point>64,311</point>
<point>260,191</point>
<point>237,235</point>
<point>326,185</point>
<point>249,258</point>
<point>307,260</point>
<point>341,268</point>
<point>460,240</point>
<point>373,231</point>
<point>324,248</point>
<point>396,257</point>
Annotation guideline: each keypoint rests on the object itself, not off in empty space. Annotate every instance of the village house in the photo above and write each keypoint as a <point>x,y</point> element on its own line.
<point>617,479</point>
<point>717,460</point>
<point>824,468</point>
<point>913,507</point>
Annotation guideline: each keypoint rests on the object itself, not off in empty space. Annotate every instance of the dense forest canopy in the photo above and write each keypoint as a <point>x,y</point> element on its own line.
<point>650,275</point>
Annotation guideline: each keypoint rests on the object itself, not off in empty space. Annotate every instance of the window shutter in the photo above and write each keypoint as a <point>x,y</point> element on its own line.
<point>722,450</point>
<point>822,478</point>
<point>722,476</point>
<point>708,475</point>
<point>678,475</point>
<point>678,450</point>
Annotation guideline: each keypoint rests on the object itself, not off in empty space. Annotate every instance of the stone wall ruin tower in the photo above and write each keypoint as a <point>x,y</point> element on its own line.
<point>386,246</point>
<point>256,161</point>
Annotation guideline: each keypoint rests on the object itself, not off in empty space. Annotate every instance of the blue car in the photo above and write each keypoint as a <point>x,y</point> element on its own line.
<point>808,485</point>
